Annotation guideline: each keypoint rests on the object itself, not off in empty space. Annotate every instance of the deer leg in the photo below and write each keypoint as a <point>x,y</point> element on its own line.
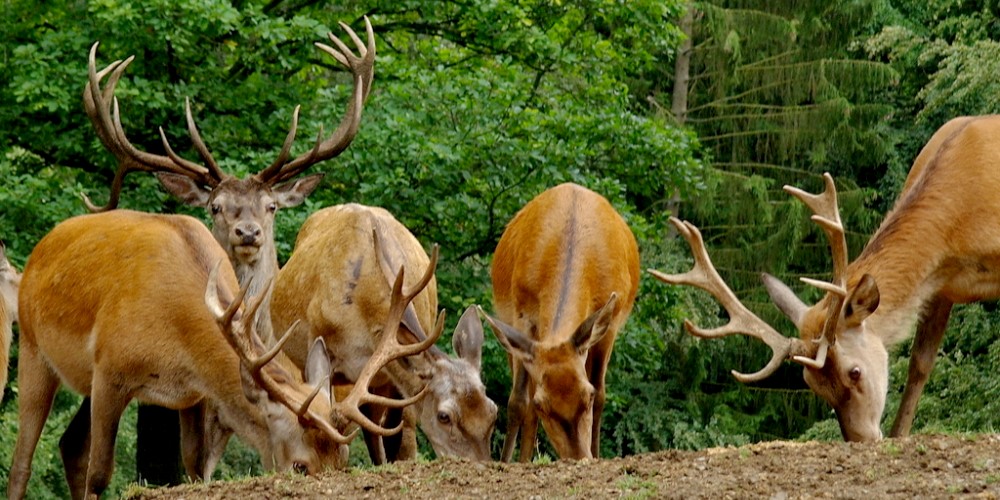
<point>203,440</point>
<point>402,446</point>
<point>74,447</point>
<point>598,370</point>
<point>38,387</point>
<point>517,405</point>
<point>107,405</point>
<point>374,442</point>
<point>930,333</point>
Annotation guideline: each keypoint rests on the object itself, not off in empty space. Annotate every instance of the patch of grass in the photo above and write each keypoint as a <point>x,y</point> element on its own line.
<point>636,488</point>
<point>134,490</point>
<point>992,479</point>
<point>542,458</point>
<point>892,448</point>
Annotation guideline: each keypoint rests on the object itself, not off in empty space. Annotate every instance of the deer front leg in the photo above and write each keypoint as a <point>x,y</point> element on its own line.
<point>598,369</point>
<point>74,447</point>
<point>108,402</point>
<point>930,333</point>
<point>402,446</point>
<point>38,386</point>
<point>517,407</point>
<point>203,440</point>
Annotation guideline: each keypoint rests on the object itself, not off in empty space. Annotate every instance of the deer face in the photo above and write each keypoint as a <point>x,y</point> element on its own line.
<point>242,210</point>
<point>854,377</point>
<point>563,398</point>
<point>297,444</point>
<point>456,414</point>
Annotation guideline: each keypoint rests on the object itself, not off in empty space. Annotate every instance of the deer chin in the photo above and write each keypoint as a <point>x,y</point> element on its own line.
<point>247,254</point>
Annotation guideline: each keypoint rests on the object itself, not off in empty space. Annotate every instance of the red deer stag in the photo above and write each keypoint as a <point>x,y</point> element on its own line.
<point>347,257</point>
<point>565,275</point>
<point>928,254</point>
<point>242,209</point>
<point>10,280</point>
<point>125,305</point>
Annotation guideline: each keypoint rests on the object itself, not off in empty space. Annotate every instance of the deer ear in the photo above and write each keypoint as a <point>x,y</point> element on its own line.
<point>468,338</point>
<point>593,329</point>
<point>184,188</point>
<point>515,342</point>
<point>318,369</point>
<point>295,192</point>
<point>785,299</point>
<point>862,303</point>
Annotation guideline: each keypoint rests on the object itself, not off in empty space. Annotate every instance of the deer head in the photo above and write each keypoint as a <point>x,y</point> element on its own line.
<point>10,281</point>
<point>844,364</point>
<point>242,210</point>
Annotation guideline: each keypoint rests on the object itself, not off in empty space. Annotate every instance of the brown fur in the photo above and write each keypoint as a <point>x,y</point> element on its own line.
<point>336,259</point>
<point>557,264</point>
<point>113,306</point>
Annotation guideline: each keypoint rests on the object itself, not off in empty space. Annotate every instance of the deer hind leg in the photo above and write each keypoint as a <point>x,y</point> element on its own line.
<point>38,386</point>
<point>74,446</point>
<point>108,402</point>
<point>930,333</point>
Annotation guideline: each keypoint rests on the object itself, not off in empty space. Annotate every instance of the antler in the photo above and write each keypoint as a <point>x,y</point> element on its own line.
<point>390,349</point>
<point>244,341</point>
<point>363,69</point>
<point>101,106</point>
<point>741,321</point>
<point>826,214</point>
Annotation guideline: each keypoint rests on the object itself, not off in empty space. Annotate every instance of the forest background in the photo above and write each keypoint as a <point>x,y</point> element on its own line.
<point>663,106</point>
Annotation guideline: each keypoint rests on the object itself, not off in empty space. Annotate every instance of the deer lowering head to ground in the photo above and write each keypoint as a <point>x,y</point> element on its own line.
<point>934,249</point>
<point>565,275</point>
<point>242,210</point>
<point>336,286</point>
<point>124,305</point>
<point>10,280</point>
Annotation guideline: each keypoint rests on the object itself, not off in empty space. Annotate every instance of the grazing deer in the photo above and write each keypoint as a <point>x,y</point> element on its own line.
<point>125,305</point>
<point>10,280</point>
<point>336,285</point>
<point>565,275</point>
<point>242,209</point>
<point>929,253</point>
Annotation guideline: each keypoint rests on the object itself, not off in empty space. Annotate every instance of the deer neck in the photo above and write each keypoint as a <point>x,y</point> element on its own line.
<point>260,274</point>
<point>905,258</point>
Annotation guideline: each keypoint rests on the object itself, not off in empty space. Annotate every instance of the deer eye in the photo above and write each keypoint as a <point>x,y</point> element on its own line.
<point>444,418</point>
<point>272,207</point>
<point>216,209</point>
<point>855,373</point>
<point>300,468</point>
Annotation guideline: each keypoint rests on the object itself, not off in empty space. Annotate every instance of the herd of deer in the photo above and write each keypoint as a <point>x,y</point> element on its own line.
<point>120,305</point>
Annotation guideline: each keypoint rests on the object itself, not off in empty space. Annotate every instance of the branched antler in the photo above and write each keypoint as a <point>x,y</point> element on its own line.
<point>741,321</point>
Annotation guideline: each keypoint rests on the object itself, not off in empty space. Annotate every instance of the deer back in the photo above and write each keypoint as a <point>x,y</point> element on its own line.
<point>565,275</point>
<point>337,283</point>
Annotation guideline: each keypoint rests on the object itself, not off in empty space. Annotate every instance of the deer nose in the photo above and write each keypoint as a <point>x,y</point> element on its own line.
<point>247,233</point>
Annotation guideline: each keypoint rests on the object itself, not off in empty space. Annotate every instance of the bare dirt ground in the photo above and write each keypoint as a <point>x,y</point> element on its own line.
<point>924,466</point>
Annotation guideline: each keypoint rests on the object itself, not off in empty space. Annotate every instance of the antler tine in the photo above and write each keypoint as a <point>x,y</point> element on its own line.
<point>826,213</point>
<point>741,321</point>
<point>241,338</point>
<point>101,106</point>
<point>388,350</point>
<point>363,69</point>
